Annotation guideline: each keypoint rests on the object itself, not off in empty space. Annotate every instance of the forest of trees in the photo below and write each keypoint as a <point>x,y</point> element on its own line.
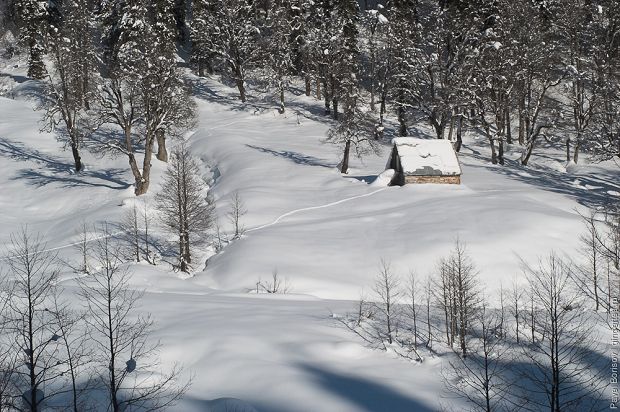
<point>516,72</point>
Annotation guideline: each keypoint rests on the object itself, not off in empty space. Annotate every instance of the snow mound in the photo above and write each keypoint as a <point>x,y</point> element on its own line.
<point>383,179</point>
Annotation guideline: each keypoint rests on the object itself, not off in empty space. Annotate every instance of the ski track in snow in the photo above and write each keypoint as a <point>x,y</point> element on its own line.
<point>295,211</point>
<point>305,209</point>
<point>63,246</point>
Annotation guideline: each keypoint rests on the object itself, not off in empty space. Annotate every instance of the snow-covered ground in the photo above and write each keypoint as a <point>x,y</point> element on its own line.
<point>323,232</point>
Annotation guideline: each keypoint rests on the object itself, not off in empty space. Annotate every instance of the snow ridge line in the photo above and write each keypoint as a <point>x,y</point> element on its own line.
<point>305,209</point>
<point>63,246</point>
<point>5,258</point>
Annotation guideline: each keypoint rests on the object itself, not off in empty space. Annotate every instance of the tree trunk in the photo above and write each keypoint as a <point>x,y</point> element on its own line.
<point>345,158</point>
<point>142,186</point>
<point>85,86</point>
<point>182,263</point>
<point>500,155</point>
<point>318,89</point>
<point>508,127</point>
<point>332,84</point>
<point>282,107</point>
<point>112,366</point>
<point>451,130</point>
<point>241,87</point>
<point>76,156</point>
<point>201,68</point>
<point>568,149</point>
<point>459,137</point>
<point>307,82</point>
<point>402,122</point>
<point>577,148</point>
<point>162,152</point>
<point>525,158</point>
<point>382,107</point>
<point>327,100</point>
<point>521,122</point>
<point>492,144</point>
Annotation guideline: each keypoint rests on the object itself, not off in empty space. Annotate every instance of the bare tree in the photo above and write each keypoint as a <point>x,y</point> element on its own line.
<point>428,296</point>
<point>219,236</point>
<point>275,285</point>
<point>229,33</point>
<point>71,53</point>
<point>562,369</point>
<point>237,211</point>
<point>587,276</point>
<point>412,294</point>
<point>7,350</point>
<point>144,94</point>
<point>131,226</point>
<point>83,248</point>
<point>597,274</point>
<point>443,294</point>
<point>146,239</point>
<point>387,291</point>
<point>126,359</point>
<point>516,297</point>
<point>186,208</point>
<point>75,353</point>
<point>458,294</point>
<point>480,377</point>
<point>33,277</point>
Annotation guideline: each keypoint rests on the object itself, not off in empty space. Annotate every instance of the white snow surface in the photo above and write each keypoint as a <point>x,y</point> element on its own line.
<point>418,156</point>
<point>323,232</point>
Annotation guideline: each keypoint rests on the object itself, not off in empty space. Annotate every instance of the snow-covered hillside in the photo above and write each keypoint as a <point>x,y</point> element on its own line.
<point>323,232</point>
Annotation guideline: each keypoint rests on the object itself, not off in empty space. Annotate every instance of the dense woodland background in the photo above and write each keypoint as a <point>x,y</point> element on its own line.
<point>520,72</point>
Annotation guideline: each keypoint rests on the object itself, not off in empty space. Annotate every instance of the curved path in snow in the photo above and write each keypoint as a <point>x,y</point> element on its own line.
<point>305,209</point>
<point>64,246</point>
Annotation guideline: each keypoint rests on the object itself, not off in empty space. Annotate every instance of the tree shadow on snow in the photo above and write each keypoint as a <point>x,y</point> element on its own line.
<point>588,189</point>
<point>16,78</point>
<point>365,394</point>
<point>202,88</point>
<point>54,170</point>
<point>295,157</point>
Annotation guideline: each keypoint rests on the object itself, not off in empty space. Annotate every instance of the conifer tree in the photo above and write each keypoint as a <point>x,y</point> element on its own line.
<point>354,131</point>
<point>403,38</point>
<point>33,16</point>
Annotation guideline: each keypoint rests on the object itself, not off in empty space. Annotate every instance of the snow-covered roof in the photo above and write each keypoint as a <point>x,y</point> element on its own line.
<point>427,157</point>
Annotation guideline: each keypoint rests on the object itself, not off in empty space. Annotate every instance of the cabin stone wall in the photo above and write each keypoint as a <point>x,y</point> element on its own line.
<point>454,180</point>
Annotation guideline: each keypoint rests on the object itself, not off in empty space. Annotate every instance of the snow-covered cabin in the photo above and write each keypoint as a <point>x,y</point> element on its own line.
<point>424,161</point>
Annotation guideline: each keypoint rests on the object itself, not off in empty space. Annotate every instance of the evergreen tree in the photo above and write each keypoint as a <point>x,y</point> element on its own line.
<point>355,127</point>
<point>279,45</point>
<point>403,41</point>
<point>33,16</point>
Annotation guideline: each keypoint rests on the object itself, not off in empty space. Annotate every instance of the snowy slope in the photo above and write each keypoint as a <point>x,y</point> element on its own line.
<point>327,233</point>
<point>324,232</point>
